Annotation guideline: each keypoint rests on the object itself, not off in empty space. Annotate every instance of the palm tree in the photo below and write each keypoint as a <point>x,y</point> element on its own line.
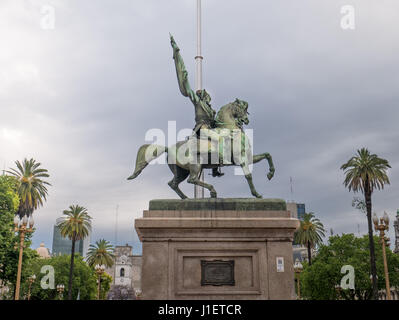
<point>366,172</point>
<point>76,226</point>
<point>101,253</point>
<point>31,187</point>
<point>310,233</point>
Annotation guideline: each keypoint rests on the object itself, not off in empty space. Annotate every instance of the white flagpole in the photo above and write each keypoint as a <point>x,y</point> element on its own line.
<point>199,57</point>
<point>199,191</point>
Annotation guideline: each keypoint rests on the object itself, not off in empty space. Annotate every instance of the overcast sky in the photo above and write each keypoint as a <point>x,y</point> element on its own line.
<point>80,97</point>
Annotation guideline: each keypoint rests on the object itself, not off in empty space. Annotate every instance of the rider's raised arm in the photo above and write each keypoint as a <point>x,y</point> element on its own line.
<point>182,75</point>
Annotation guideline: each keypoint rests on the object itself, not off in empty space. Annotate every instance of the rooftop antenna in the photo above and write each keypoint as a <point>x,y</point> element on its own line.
<point>198,190</point>
<point>292,189</point>
<point>116,225</point>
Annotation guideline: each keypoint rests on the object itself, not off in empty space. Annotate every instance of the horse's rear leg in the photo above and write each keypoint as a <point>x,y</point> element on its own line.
<point>180,175</point>
<point>195,172</point>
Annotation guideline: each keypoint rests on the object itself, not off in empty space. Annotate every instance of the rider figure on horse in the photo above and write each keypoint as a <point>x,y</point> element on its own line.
<point>225,128</point>
<point>204,114</point>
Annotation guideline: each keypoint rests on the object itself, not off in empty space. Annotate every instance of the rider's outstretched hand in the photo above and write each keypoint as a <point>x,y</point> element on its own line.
<point>173,43</point>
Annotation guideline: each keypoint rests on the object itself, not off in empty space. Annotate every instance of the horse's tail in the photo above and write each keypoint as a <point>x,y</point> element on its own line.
<point>145,155</point>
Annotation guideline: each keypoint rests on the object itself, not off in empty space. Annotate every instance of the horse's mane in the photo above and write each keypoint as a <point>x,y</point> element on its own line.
<point>230,108</point>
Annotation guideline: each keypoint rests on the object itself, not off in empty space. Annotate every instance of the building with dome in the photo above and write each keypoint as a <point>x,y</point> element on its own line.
<point>43,252</point>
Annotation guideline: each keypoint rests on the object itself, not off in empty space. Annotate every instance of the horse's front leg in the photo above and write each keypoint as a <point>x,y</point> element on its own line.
<point>267,156</point>
<point>248,176</point>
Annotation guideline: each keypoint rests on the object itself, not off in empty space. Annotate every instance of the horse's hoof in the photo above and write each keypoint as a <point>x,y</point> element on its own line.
<point>270,175</point>
<point>257,195</point>
<point>213,195</point>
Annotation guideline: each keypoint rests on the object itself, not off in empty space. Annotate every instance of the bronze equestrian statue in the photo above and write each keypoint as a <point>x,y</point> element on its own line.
<point>218,140</point>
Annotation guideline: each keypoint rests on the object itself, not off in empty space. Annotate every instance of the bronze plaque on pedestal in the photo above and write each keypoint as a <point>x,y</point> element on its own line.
<point>217,273</point>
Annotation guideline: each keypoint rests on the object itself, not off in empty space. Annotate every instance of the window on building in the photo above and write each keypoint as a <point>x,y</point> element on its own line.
<point>301,210</point>
<point>122,273</point>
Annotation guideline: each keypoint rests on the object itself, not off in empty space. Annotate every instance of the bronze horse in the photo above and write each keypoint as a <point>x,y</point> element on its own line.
<point>188,158</point>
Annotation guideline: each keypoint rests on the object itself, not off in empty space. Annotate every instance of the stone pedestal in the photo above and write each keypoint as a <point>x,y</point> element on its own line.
<point>217,249</point>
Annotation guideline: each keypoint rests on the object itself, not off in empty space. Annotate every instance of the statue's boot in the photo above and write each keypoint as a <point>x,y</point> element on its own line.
<point>216,172</point>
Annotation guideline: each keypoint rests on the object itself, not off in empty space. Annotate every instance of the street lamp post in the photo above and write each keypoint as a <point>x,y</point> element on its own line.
<point>298,267</point>
<point>60,290</point>
<point>137,293</point>
<point>198,190</point>
<point>21,226</point>
<point>381,226</point>
<point>338,290</point>
<point>100,269</point>
<point>31,279</point>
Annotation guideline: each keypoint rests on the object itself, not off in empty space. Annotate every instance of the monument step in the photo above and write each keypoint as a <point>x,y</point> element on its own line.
<point>234,204</point>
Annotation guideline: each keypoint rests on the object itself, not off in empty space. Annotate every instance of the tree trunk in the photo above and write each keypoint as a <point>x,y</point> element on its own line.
<point>309,253</point>
<point>373,268</point>
<point>71,269</point>
<point>99,288</point>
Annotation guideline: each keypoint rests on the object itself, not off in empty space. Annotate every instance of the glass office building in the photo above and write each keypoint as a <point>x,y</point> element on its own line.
<point>64,245</point>
<point>300,210</point>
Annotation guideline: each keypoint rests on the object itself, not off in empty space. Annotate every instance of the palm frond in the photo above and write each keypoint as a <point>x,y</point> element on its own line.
<point>31,188</point>
<point>76,224</point>
<point>101,253</point>
<point>311,230</point>
<point>365,171</point>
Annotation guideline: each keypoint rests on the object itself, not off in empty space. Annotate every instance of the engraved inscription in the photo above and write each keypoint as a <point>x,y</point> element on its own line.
<point>217,273</point>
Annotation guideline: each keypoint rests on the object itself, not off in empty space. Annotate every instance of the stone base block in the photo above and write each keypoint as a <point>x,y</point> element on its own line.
<point>217,249</point>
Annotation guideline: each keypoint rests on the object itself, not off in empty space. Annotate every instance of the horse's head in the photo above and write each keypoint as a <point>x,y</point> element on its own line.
<point>233,115</point>
<point>240,112</point>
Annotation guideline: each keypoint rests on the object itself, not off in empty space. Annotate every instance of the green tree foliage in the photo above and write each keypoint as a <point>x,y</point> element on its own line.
<point>319,281</point>
<point>359,204</point>
<point>310,233</point>
<point>84,278</point>
<point>9,200</point>
<point>9,203</point>
<point>76,226</point>
<point>101,253</point>
<point>106,281</point>
<point>366,172</point>
<point>9,262</point>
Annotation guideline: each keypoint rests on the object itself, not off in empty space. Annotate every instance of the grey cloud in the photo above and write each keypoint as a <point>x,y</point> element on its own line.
<point>80,98</point>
